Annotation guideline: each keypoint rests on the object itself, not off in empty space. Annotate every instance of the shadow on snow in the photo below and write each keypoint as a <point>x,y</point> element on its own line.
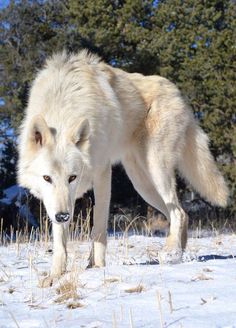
<point>202,258</point>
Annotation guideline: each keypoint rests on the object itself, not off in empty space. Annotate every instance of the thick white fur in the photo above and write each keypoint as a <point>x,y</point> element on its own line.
<point>90,115</point>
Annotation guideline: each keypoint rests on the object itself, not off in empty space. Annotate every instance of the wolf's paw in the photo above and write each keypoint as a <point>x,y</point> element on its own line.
<point>45,282</point>
<point>96,257</point>
<point>170,256</point>
<point>48,281</point>
<point>92,264</point>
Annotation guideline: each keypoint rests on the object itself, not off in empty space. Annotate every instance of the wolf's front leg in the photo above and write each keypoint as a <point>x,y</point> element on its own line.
<point>60,232</point>
<point>102,193</point>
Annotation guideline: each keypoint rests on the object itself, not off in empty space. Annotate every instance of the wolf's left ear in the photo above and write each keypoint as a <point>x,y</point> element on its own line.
<point>81,134</point>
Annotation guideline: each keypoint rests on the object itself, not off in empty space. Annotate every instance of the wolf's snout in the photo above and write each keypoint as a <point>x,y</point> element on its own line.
<point>62,217</point>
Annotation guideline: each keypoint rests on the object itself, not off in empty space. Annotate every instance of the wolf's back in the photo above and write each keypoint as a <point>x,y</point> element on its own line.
<point>198,166</point>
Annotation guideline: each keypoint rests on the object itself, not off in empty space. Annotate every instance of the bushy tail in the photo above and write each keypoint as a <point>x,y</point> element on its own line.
<point>198,166</point>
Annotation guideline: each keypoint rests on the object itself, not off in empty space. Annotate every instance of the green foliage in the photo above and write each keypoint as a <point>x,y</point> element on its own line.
<point>190,42</point>
<point>29,31</point>
<point>8,163</point>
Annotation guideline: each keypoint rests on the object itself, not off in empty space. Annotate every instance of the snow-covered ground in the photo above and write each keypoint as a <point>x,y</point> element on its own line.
<point>133,290</point>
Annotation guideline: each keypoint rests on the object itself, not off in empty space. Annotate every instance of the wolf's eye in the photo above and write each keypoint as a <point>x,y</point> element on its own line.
<point>72,178</point>
<point>47,178</point>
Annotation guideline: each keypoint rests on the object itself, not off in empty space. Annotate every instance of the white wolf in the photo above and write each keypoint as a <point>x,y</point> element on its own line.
<point>84,115</point>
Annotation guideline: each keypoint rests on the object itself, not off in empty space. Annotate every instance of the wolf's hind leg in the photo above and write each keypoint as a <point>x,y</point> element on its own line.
<point>163,178</point>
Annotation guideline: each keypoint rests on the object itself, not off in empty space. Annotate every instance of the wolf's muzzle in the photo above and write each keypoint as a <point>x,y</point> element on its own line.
<point>62,217</point>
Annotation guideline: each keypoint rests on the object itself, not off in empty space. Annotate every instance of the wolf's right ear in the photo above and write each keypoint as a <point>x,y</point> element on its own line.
<point>39,133</point>
<point>80,134</point>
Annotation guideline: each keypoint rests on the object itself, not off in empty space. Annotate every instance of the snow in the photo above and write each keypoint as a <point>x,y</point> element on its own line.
<point>133,290</point>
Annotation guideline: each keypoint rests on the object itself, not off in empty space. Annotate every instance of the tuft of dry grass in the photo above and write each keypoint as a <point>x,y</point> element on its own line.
<point>207,270</point>
<point>111,280</point>
<point>74,305</point>
<point>66,290</point>
<point>11,290</point>
<point>159,299</point>
<point>37,306</point>
<point>136,289</point>
<point>201,276</point>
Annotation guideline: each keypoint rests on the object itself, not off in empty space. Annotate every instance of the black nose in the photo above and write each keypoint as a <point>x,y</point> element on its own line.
<point>62,217</point>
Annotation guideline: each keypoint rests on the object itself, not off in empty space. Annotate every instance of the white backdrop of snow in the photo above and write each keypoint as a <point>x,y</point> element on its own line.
<point>202,288</point>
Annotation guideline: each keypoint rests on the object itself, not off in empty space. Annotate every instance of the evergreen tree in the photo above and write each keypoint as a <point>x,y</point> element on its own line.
<point>29,32</point>
<point>8,164</point>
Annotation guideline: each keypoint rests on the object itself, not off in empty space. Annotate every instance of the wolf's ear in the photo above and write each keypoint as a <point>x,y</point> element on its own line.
<point>39,133</point>
<point>80,134</point>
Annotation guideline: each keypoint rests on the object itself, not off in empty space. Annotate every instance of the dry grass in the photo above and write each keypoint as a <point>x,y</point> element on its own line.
<point>111,280</point>
<point>78,230</point>
<point>201,276</point>
<point>74,305</point>
<point>66,290</point>
<point>69,292</point>
<point>207,270</point>
<point>124,224</point>
<point>136,289</point>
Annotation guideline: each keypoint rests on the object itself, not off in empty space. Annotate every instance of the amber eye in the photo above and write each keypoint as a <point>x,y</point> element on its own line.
<point>72,178</point>
<point>47,178</point>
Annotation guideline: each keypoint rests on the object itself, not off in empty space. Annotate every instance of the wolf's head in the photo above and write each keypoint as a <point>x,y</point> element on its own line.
<point>54,165</point>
